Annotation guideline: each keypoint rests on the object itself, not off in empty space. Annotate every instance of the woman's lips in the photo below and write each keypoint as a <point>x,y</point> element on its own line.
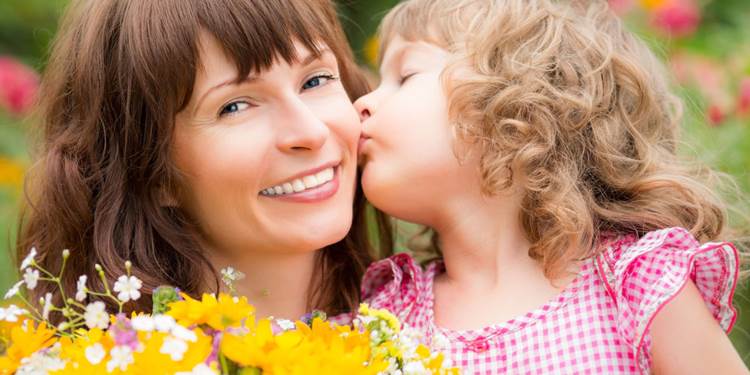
<point>304,194</point>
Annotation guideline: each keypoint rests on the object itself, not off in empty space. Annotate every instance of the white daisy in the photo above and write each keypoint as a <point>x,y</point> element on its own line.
<point>81,288</point>
<point>199,369</point>
<point>47,305</point>
<point>31,277</point>
<point>173,347</point>
<point>96,316</point>
<point>143,323</point>
<point>122,356</point>
<point>164,323</point>
<point>11,313</point>
<point>183,333</point>
<point>95,353</point>
<point>13,290</point>
<point>29,258</point>
<point>128,288</point>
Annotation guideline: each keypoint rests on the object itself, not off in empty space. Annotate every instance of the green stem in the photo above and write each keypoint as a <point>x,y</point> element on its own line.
<point>77,304</point>
<point>51,276</point>
<point>107,295</point>
<point>31,307</point>
<point>224,364</point>
<point>62,268</point>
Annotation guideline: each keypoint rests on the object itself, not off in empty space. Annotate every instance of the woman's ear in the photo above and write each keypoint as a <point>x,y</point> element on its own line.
<point>167,197</point>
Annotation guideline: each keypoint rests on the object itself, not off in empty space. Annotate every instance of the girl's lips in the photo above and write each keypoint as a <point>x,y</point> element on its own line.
<point>362,140</point>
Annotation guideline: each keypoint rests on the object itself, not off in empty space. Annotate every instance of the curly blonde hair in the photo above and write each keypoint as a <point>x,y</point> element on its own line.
<point>562,101</point>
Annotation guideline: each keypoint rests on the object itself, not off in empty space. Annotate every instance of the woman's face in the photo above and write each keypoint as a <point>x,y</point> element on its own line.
<point>269,162</point>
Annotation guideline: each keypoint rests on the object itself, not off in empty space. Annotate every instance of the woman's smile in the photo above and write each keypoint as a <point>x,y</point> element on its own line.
<point>310,186</point>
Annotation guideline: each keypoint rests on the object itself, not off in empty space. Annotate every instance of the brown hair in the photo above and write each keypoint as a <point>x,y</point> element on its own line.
<point>560,99</point>
<point>119,72</point>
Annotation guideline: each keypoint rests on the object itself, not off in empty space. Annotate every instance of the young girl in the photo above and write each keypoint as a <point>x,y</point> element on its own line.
<point>537,139</point>
<point>191,136</point>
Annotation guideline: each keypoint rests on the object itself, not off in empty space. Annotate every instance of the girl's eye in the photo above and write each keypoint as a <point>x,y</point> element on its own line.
<point>405,78</point>
<point>233,108</point>
<point>318,80</point>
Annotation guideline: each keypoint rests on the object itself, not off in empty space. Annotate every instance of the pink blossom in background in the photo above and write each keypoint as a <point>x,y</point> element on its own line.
<point>700,71</point>
<point>708,76</point>
<point>715,115</point>
<point>18,86</point>
<point>743,101</point>
<point>678,18</point>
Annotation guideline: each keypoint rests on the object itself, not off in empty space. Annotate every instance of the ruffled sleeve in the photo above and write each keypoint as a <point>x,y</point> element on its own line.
<point>399,285</point>
<point>644,274</point>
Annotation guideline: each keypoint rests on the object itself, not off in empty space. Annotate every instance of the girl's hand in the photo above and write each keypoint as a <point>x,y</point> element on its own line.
<point>686,339</point>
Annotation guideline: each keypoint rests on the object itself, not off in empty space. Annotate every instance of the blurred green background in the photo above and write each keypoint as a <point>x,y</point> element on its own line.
<point>706,44</point>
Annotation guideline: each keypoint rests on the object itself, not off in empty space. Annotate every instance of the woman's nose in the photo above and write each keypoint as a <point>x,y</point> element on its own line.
<point>301,129</point>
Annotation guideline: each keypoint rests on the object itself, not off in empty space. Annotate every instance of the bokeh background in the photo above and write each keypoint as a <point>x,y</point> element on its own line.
<point>706,44</point>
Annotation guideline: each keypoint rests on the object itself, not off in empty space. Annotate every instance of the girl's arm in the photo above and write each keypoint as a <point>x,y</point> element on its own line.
<point>686,339</point>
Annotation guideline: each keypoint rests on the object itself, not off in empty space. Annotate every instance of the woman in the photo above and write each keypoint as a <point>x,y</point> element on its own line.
<point>187,136</point>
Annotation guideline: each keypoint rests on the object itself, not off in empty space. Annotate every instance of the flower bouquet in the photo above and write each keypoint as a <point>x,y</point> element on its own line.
<point>218,334</point>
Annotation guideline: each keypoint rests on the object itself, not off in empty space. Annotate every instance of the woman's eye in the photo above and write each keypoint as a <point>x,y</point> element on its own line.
<point>318,80</point>
<point>233,107</point>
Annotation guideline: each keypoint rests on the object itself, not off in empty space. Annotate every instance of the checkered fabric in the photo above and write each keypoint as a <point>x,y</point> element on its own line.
<point>598,324</point>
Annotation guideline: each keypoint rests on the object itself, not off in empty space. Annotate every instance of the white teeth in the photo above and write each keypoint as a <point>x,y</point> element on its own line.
<point>301,184</point>
<point>325,175</point>
<point>310,181</point>
<point>298,185</point>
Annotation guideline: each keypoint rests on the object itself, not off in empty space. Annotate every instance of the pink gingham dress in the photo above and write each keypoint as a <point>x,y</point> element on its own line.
<point>598,324</point>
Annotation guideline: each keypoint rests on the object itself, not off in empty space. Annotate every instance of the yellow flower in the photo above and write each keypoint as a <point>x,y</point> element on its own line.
<point>151,357</point>
<point>25,339</point>
<point>75,351</point>
<point>192,312</point>
<point>11,173</point>
<point>382,314</point>
<point>230,312</point>
<point>652,4</point>
<point>249,349</point>
<point>226,311</point>
<point>320,348</point>
<point>371,49</point>
<point>5,328</point>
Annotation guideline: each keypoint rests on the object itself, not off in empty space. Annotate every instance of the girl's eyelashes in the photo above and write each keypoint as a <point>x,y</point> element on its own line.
<point>318,80</point>
<point>405,77</point>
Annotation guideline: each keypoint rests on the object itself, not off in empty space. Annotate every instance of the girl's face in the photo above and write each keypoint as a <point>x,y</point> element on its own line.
<point>269,162</point>
<point>407,144</point>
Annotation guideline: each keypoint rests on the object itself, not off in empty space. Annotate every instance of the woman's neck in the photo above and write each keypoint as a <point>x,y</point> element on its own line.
<point>277,284</point>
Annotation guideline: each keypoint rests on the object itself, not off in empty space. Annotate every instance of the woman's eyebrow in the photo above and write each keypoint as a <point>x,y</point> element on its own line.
<point>307,60</point>
<point>231,81</point>
<point>311,57</point>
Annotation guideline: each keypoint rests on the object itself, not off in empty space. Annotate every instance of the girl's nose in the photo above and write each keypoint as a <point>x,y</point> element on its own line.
<point>365,106</point>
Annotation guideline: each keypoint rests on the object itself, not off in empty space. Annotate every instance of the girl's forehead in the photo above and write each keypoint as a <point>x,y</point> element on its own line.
<point>400,51</point>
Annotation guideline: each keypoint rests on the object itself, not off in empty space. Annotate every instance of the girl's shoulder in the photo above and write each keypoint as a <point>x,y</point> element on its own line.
<point>642,274</point>
<point>402,286</point>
